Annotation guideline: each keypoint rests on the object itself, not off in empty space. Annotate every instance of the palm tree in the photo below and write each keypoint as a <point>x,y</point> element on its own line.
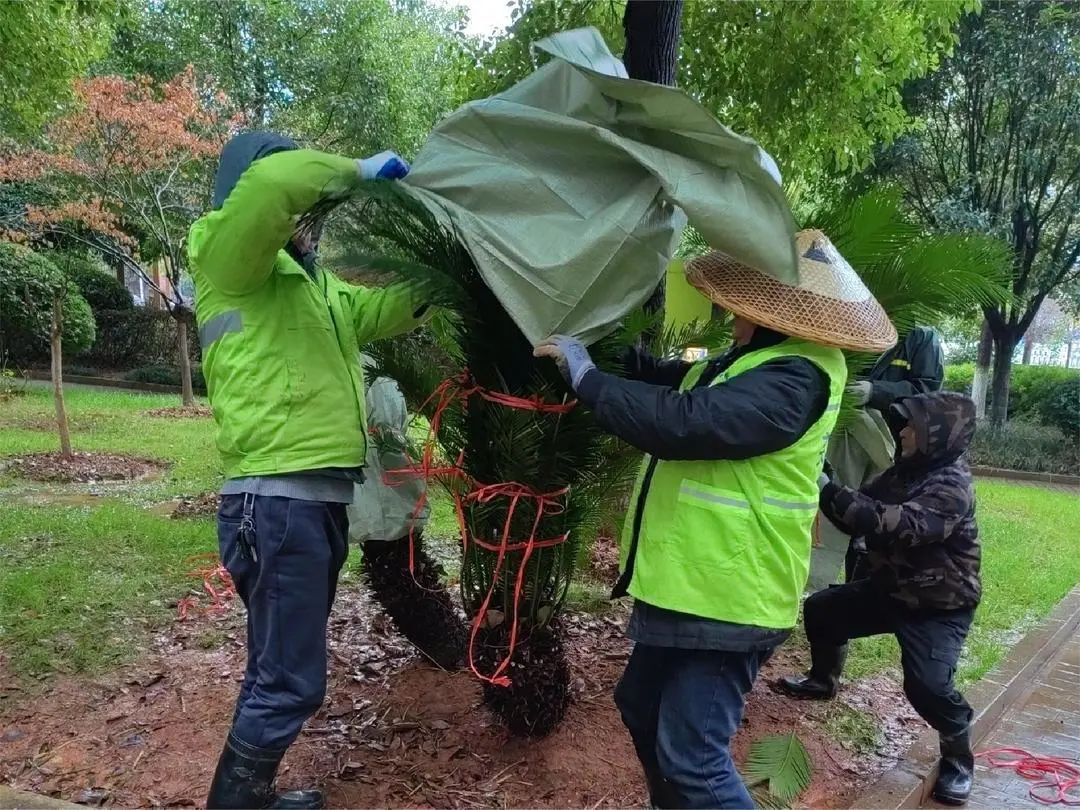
<point>531,475</point>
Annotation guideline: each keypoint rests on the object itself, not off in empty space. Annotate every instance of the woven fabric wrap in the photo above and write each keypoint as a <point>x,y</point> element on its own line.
<point>830,305</point>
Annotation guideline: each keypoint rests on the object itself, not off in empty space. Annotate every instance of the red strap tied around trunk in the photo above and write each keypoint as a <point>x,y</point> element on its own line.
<point>462,388</point>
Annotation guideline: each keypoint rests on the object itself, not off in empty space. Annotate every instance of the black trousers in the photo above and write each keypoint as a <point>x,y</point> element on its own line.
<point>284,556</point>
<point>930,644</point>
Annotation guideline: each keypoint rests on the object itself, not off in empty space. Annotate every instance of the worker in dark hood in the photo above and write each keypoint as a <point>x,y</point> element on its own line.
<point>915,365</point>
<point>863,448</point>
<point>918,522</point>
<point>281,353</point>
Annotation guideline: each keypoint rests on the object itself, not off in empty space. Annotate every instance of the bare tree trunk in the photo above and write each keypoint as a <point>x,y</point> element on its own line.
<point>1004,346</point>
<point>187,395</point>
<point>652,29</point>
<point>1068,349</point>
<point>980,383</point>
<point>1028,346</point>
<point>56,334</point>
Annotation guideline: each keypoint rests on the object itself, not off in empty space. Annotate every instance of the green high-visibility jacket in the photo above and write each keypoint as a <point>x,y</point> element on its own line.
<point>730,539</point>
<point>281,348</point>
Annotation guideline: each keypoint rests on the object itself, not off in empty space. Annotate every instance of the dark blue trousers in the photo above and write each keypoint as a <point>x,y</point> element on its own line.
<point>682,707</point>
<point>284,556</point>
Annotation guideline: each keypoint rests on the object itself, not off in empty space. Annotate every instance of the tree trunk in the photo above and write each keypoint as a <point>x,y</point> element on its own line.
<point>652,29</point>
<point>1004,346</point>
<point>56,334</point>
<point>1028,346</point>
<point>652,39</point>
<point>1068,349</point>
<point>187,395</point>
<point>982,370</point>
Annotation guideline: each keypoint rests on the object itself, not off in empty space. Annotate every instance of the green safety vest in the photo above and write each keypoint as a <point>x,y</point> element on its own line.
<point>730,540</point>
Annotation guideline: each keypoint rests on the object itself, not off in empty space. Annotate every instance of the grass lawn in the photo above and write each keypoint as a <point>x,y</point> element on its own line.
<point>83,578</point>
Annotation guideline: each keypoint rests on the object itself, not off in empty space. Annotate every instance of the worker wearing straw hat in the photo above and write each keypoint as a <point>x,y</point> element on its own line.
<point>716,546</point>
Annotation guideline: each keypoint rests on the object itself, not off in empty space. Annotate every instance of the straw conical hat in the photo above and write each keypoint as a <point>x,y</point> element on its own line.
<point>830,305</point>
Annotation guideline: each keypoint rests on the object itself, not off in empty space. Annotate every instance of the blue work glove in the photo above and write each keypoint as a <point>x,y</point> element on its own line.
<point>383,166</point>
<point>570,355</point>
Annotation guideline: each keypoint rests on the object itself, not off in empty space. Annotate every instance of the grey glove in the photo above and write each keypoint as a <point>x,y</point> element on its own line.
<point>570,355</point>
<point>860,391</point>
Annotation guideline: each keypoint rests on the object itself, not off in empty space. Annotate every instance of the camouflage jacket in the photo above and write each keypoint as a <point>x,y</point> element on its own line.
<point>918,517</point>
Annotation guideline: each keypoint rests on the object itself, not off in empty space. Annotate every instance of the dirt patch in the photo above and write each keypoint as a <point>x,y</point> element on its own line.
<point>394,732</point>
<point>197,506</point>
<point>180,412</point>
<point>81,468</point>
<point>604,559</point>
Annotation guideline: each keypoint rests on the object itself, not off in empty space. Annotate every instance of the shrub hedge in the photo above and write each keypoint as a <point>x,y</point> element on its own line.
<point>136,337</point>
<point>1050,394</point>
<point>164,374</point>
<point>27,282</point>
<point>1024,445</point>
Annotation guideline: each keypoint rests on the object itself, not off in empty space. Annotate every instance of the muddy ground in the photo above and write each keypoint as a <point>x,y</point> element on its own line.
<point>394,731</point>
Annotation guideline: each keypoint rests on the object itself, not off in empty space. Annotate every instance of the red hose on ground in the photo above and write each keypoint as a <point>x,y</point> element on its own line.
<point>461,388</point>
<point>1058,778</point>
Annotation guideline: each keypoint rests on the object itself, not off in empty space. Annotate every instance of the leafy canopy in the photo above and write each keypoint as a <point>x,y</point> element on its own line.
<point>45,44</point>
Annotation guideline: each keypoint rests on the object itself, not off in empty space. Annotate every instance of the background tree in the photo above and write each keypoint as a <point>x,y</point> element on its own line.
<point>1000,151</point>
<point>352,77</point>
<point>45,45</point>
<point>40,304</point>
<point>128,172</point>
<point>816,83</point>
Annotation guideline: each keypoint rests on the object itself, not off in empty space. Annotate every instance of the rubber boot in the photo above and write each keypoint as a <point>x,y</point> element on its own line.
<point>244,779</point>
<point>956,771</point>
<point>823,679</point>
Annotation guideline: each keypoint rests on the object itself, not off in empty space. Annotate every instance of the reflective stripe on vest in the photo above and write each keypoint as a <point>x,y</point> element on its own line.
<point>730,540</point>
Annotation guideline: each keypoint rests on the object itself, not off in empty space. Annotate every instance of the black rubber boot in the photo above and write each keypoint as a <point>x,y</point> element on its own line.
<point>956,771</point>
<point>823,679</point>
<point>244,780</point>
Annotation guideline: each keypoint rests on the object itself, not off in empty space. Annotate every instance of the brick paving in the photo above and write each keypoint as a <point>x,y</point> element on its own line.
<point>1045,720</point>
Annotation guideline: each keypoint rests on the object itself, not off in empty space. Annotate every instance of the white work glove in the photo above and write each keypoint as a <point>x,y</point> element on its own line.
<point>860,391</point>
<point>570,356</point>
<point>383,166</point>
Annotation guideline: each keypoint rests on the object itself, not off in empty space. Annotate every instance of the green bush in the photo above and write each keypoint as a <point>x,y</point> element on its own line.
<point>959,377</point>
<point>96,283</point>
<point>1060,407</point>
<point>27,284</point>
<point>136,337</point>
<point>161,374</point>
<point>1024,445</point>
<point>1030,391</point>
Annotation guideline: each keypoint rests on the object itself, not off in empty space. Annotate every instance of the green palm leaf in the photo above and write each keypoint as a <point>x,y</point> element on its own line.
<point>781,762</point>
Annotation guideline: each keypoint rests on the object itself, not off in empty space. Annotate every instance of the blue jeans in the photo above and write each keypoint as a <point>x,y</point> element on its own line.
<point>682,708</point>
<point>284,556</point>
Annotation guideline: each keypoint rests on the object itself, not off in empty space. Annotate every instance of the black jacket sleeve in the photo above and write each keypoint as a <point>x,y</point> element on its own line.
<point>640,365</point>
<point>921,369</point>
<point>760,411</point>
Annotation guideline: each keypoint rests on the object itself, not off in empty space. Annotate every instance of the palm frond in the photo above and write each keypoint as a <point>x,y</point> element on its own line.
<point>781,762</point>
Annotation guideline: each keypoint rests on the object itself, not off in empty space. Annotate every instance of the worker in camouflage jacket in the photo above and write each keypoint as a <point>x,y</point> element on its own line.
<point>918,521</point>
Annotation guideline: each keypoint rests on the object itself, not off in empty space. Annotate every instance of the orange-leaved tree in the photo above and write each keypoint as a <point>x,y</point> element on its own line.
<point>126,173</point>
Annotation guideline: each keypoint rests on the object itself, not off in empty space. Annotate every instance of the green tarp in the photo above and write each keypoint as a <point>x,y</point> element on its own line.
<point>858,452</point>
<point>570,190</point>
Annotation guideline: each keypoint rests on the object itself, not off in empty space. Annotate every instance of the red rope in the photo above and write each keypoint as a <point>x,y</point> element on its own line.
<point>462,388</point>
<point>215,581</point>
<point>1058,778</point>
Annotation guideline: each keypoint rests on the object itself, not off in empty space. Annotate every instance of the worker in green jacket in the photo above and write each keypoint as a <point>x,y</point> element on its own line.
<point>716,544</point>
<point>281,354</point>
